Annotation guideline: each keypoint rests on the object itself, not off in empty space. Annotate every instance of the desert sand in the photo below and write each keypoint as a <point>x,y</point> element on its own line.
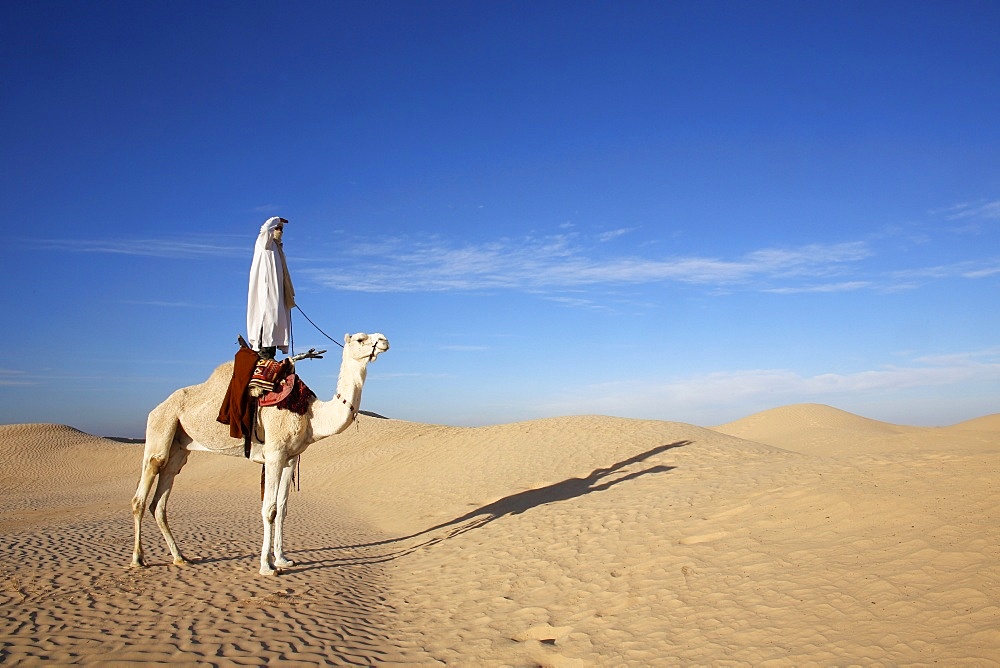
<point>798,536</point>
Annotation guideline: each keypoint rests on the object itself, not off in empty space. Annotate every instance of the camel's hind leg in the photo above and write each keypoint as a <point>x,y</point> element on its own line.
<point>150,468</point>
<point>158,506</point>
<point>160,430</point>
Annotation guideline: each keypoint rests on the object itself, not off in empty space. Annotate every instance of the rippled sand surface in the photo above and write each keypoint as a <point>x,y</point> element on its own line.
<point>795,536</point>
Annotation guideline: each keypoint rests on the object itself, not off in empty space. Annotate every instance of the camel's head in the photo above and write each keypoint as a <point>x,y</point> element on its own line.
<point>363,346</point>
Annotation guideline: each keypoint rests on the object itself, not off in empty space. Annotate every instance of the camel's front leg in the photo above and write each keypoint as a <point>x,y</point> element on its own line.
<point>284,485</point>
<point>269,510</point>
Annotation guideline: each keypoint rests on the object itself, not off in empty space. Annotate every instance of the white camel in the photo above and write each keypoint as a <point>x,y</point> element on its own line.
<point>187,421</point>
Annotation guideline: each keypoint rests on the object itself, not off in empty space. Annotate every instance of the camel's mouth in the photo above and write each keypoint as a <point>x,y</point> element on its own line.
<point>379,347</point>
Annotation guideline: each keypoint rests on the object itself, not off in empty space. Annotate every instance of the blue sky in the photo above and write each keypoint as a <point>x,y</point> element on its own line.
<point>685,211</point>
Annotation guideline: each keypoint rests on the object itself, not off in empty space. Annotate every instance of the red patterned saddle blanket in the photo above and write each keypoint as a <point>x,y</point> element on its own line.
<point>290,394</point>
<point>267,374</point>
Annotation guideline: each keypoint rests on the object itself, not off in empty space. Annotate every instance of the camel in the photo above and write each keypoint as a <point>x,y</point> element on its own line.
<point>186,421</point>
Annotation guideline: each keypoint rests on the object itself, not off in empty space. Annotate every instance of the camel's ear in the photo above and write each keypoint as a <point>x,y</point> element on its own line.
<point>347,338</point>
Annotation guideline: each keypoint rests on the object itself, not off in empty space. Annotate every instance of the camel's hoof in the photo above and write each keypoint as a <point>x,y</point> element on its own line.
<point>268,571</point>
<point>283,563</point>
<point>181,561</point>
<point>137,564</point>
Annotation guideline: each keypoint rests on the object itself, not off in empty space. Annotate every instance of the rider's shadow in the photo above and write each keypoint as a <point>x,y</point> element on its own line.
<point>599,480</point>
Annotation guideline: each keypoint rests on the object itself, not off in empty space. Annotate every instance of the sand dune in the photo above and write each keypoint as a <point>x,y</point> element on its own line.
<point>826,431</point>
<point>985,423</point>
<point>803,535</point>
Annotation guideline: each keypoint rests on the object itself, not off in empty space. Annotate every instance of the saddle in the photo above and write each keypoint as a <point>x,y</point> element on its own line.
<point>267,374</point>
<point>260,382</point>
<point>290,394</point>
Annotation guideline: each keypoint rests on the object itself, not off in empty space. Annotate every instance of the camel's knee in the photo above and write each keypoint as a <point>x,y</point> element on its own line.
<point>270,512</point>
<point>137,505</point>
<point>152,465</point>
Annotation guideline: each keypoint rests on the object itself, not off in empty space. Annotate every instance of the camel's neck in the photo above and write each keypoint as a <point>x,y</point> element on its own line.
<point>334,416</point>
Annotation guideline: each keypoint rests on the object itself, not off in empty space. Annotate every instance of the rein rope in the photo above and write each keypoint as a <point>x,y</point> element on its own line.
<point>354,411</point>
<point>317,326</point>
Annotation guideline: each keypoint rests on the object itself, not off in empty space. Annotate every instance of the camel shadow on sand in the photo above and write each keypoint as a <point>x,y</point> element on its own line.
<point>599,480</point>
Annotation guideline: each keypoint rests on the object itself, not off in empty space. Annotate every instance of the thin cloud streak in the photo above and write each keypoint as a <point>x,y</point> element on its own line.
<point>987,210</point>
<point>613,234</point>
<point>555,263</point>
<point>982,273</point>
<point>776,386</point>
<point>166,304</point>
<point>162,248</point>
<point>971,269</point>
<point>562,262</point>
<point>848,286</point>
<point>15,378</point>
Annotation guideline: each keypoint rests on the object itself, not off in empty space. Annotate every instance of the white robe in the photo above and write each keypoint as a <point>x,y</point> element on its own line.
<point>271,295</point>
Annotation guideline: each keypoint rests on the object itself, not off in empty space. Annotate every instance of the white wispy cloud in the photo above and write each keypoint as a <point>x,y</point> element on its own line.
<point>165,304</point>
<point>611,235</point>
<point>971,269</point>
<point>148,247</point>
<point>983,272</point>
<point>565,262</point>
<point>558,262</point>
<point>846,286</point>
<point>777,386</point>
<point>980,209</point>
<point>577,302</point>
<point>15,378</point>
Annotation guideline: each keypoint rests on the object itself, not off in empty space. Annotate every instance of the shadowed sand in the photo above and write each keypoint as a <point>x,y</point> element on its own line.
<point>802,535</point>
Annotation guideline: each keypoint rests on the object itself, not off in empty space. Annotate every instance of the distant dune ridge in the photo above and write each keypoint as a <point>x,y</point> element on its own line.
<point>800,535</point>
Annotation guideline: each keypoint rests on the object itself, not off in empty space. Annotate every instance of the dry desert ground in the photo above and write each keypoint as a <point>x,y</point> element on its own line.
<point>799,536</point>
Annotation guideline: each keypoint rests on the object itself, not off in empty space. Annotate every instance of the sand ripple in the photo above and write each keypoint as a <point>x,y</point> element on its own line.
<point>68,597</point>
<point>804,536</point>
